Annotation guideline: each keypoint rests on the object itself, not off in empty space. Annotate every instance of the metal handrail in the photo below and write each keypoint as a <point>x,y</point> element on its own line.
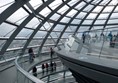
<point>26,74</point>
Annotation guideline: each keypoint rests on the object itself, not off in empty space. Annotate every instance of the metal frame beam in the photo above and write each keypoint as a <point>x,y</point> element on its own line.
<point>22,25</point>
<point>41,24</point>
<point>55,25</point>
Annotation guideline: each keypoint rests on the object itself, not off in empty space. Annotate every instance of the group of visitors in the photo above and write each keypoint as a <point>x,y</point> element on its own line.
<point>112,39</point>
<point>45,66</point>
<point>49,66</point>
<point>102,37</point>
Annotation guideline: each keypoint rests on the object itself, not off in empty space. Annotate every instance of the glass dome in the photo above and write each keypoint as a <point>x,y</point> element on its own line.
<point>48,23</point>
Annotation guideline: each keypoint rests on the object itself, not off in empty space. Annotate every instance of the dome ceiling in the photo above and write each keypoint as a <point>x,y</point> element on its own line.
<point>44,23</point>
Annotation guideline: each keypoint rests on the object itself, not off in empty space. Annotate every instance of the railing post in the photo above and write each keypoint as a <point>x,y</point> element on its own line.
<point>48,79</point>
<point>17,76</point>
<point>64,74</point>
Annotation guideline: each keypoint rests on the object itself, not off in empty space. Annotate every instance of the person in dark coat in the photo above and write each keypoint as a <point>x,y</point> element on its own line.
<point>34,71</point>
<point>43,67</point>
<point>31,55</point>
<point>51,66</point>
<point>51,52</point>
<point>83,36</point>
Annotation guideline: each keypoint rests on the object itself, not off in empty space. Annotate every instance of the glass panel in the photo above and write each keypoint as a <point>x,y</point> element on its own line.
<point>17,15</point>
<point>115,21</point>
<point>46,26</point>
<point>2,42</point>
<point>112,26</point>
<point>4,4</point>
<point>88,0</point>
<point>62,40</point>
<point>114,15</point>
<point>55,17</point>
<point>18,22</point>
<point>63,9</point>
<point>59,27</point>
<point>35,3</point>
<point>76,21</point>
<point>108,9</point>
<point>35,42</point>
<point>45,49</point>
<point>65,35</point>
<point>80,6</point>
<point>113,2</point>
<point>65,19</point>
<point>71,28</point>
<point>54,4</point>
<point>95,1</point>
<point>40,34</point>
<point>83,28</point>
<point>72,13</point>
<point>50,41</point>
<point>100,21</point>
<point>103,16</point>
<point>45,11</point>
<point>104,2</point>
<point>88,8</point>
<point>79,35</point>
<point>25,33</point>
<point>72,2</point>
<point>17,43</point>
<point>92,16</point>
<point>11,54</point>
<point>27,8</point>
<point>6,30</point>
<point>32,23</point>
<point>97,27</point>
<point>116,9</point>
<point>97,9</point>
<point>81,15</point>
<point>87,22</point>
<point>55,34</point>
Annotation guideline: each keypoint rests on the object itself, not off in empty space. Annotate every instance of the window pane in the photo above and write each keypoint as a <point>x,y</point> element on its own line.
<point>6,30</point>
<point>54,4</point>
<point>72,13</point>
<point>32,23</point>
<point>76,21</point>
<point>100,21</point>
<point>92,16</point>
<point>55,17</point>
<point>59,27</point>
<point>18,15</point>
<point>63,9</point>
<point>40,34</point>
<point>35,3</point>
<point>4,4</point>
<point>25,33</point>
<point>45,11</point>
<point>65,19</point>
